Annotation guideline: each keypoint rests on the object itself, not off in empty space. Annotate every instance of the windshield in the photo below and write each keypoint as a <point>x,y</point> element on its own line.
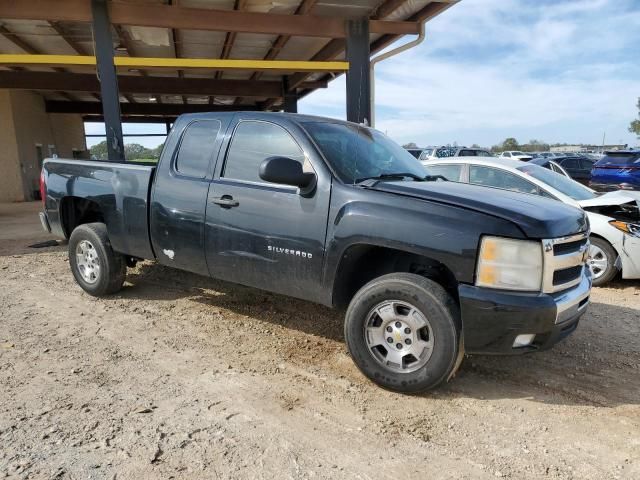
<point>561,183</point>
<point>517,153</point>
<point>356,152</point>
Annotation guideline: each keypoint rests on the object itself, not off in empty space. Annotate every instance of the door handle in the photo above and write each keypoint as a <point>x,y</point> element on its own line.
<point>226,201</point>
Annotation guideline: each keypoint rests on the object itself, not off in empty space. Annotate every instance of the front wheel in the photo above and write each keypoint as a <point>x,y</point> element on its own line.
<point>602,261</point>
<point>402,331</point>
<point>95,266</point>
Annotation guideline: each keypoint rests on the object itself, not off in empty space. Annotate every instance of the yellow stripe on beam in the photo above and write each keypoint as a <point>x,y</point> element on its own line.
<point>179,63</point>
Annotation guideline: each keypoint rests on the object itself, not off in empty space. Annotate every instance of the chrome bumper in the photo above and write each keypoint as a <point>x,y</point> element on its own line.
<point>572,303</point>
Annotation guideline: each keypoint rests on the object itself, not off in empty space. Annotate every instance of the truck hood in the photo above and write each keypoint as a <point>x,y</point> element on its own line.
<point>620,205</point>
<point>537,217</point>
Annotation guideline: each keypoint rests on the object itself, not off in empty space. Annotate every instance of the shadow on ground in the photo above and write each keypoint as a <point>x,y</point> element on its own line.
<point>599,365</point>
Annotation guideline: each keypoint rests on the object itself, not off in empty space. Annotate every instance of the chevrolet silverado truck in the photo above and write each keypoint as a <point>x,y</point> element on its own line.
<point>334,213</point>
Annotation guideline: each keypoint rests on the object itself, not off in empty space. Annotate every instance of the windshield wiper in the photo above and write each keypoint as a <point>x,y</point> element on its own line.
<point>394,176</point>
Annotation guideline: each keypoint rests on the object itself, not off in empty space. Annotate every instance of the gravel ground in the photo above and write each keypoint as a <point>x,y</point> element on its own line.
<point>180,376</point>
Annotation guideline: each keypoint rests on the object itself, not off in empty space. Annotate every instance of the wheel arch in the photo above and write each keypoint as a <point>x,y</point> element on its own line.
<point>362,262</point>
<point>75,211</point>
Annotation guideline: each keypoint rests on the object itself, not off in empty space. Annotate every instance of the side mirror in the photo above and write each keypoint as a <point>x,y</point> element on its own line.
<point>285,171</point>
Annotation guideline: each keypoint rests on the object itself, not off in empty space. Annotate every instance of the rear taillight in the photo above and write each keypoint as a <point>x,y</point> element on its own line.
<point>42,187</point>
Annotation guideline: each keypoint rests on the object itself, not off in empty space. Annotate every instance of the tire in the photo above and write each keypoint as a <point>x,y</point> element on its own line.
<point>95,266</point>
<point>602,260</point>
<point>384,303</point>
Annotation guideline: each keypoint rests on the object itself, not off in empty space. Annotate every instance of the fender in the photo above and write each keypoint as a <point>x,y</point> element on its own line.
<point>447,234</point>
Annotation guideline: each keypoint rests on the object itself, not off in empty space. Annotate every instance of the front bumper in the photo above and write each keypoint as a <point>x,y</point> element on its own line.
<point>492,319</point>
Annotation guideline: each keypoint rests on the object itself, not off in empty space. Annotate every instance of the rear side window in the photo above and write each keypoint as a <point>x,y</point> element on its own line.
<point>254,142</point>
<point>450,172</point>
<point>197,148</point>
<point>626,158</point>
<point>492,177</point>
<point>425,154</point>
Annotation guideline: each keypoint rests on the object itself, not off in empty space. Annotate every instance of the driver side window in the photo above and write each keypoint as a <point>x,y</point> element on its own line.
<point>254,141</point>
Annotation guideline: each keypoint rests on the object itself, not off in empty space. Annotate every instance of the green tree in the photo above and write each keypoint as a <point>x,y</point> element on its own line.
<point>135,151</point>
<point>99,151</point>
<point>510,144</point>
<point>157,151</point>
<point>410,145</point>
<point>634,126</point>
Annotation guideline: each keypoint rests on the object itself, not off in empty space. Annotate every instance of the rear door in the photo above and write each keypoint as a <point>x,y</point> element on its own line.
<point>263,234</point>
<point>179,195</point>
<point>572,166</point>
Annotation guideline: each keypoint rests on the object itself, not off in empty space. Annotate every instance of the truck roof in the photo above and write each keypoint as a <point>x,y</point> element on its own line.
<point>296,117</point>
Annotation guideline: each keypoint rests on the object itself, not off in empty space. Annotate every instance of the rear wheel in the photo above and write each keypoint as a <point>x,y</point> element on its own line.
<point>95,266</point>
<point>402,332</point>
<point>602,260</point>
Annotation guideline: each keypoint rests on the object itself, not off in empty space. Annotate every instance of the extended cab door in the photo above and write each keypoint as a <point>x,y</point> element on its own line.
<point>262,234</point>
<point>179,195</point>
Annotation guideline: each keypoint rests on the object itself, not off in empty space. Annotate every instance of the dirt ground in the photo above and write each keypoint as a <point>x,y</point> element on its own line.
<point>183,377</point>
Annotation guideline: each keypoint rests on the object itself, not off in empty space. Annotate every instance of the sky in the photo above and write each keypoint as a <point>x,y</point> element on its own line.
<point>551,70</point>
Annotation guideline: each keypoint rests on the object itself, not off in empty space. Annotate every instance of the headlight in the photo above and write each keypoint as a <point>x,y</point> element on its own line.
<point>630,228</point>
<point>510,264</point>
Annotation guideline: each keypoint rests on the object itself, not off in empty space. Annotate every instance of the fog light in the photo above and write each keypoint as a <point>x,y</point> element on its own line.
<point>524,340</point>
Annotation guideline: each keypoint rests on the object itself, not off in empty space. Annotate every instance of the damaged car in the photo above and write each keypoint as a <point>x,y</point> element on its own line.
<point>614,216</point>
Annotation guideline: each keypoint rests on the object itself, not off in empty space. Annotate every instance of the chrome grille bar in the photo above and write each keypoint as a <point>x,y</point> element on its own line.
<point>553,262</point>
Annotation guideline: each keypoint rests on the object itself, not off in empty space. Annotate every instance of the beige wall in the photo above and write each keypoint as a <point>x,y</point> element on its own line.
<point>31,127</point>
<point>11,189</point>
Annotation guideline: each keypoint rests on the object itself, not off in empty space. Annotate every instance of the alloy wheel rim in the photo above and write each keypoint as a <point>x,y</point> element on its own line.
<point>87,262</point>
<point>399,336</point>
<point>598,261</point>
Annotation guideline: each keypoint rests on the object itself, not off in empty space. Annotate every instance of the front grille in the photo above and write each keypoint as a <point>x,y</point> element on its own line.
<point>566,275</point>
<point>569,247</point>
<point>564,259</point>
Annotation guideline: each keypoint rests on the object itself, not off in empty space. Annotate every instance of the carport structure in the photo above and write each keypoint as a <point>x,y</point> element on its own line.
<point>151,60</point>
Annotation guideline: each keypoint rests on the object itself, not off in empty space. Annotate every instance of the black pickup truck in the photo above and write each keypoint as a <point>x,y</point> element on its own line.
<point>338,214</point>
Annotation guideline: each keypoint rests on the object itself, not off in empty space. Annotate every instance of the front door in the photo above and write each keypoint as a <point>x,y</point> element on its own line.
<point>263,234</point>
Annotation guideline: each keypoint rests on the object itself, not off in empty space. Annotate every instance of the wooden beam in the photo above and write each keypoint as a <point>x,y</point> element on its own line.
<point>164,109</point>
<point>179,63</point>
<point>83,82</point>
<point>229,40</point>
<point>20,43</point>
<point>424,14</point>
<point>60,30</point>
<point>387,8</point>
<point>123,37</point>
<point>171,16</point>
<point>303,9</point>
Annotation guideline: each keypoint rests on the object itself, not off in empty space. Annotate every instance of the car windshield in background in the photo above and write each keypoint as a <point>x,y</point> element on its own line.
<point>620,159</point>
<point>518,153</point>
<point>561,183</point>
<point>356,153</point>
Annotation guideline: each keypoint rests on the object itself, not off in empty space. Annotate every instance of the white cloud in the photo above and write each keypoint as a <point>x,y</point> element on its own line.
<point>556,71</point>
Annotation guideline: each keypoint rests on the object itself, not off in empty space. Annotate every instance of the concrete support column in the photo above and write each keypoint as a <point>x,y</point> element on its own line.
<point>103,47</point>
<point>358,78</point>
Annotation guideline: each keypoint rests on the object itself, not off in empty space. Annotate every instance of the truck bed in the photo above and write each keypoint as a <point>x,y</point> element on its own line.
<point>119,190</point>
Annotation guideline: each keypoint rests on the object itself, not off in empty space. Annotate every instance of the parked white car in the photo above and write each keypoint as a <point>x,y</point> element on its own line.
<point>614,216</point>
<point>435,153</point>
<point>515,155</point>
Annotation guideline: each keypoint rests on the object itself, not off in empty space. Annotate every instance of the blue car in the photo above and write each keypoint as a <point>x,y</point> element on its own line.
<point>617,170</point>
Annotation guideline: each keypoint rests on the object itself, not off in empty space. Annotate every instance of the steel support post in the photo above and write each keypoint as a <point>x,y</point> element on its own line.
<point>103,45</point>
<point>358,78</point>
